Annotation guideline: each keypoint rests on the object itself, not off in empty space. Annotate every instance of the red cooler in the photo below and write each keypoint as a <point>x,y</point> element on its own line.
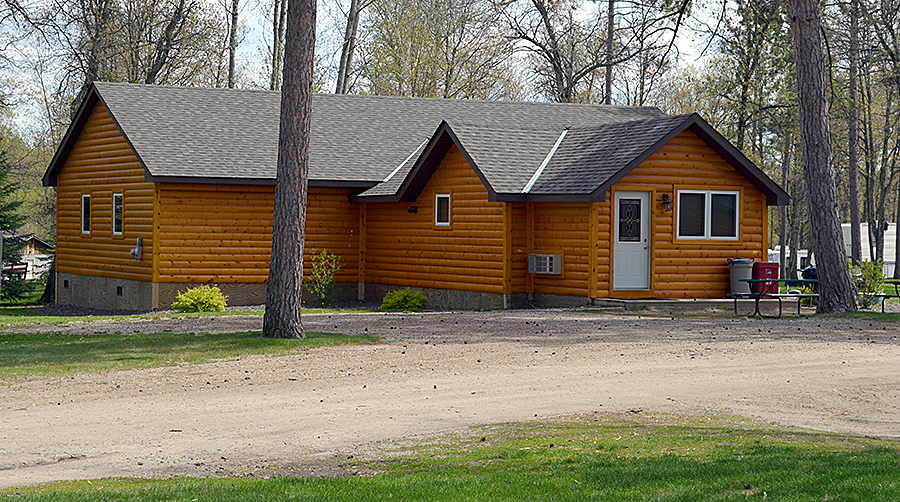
<point>765,270</point>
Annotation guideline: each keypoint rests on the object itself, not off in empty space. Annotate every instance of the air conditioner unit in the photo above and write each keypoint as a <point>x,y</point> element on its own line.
<point>545,264</point>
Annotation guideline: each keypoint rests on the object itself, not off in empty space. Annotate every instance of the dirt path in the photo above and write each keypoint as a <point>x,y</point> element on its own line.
<point>437,372</point>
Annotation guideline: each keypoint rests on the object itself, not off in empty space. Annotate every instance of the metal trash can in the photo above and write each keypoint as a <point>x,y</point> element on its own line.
<point>765,270</point>
<point>741,268</point>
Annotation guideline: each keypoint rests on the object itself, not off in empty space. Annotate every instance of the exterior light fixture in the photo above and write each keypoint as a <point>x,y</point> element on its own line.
<point>667,201</point>
<point>413,209</point>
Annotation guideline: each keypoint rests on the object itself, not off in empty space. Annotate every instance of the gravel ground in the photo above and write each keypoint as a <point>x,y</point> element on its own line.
<point>435,372</point>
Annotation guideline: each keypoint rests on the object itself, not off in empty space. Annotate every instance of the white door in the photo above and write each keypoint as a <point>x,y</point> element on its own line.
<point>631,241</point>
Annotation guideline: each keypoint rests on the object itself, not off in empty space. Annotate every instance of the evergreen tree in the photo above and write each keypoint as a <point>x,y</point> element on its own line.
<point>14,285</point>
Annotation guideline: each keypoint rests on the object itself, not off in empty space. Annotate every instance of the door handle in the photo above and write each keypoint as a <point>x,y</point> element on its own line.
<point>645,247</point>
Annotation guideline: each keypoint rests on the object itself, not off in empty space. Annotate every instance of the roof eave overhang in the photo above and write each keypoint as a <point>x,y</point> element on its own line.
<point>426,165</point>
<point>544,197</point>
<point>775,195</point>
<point>256,181</point>
<point>68,142</point>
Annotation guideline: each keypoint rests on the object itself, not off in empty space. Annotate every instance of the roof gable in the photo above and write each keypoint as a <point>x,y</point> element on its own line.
<point>555,163</point>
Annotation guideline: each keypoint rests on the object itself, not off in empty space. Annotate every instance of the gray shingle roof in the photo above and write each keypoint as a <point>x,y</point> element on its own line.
<point>225,133</point>
<point>589,156</point>
<point>379,143</point>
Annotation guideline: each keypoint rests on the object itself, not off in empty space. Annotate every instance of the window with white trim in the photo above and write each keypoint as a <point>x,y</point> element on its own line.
<point>442,209</point>
<point>708,214</point>
<point>86,213</point>
<point>118,210</point>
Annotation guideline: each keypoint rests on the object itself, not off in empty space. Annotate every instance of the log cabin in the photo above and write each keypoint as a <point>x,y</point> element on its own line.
<point>479,204</point>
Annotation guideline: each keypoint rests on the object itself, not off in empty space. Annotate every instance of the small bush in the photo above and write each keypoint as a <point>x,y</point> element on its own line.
<point>201,299</point>
<point>868,278</point>
<point>321,282</point>
<point>404,299</point>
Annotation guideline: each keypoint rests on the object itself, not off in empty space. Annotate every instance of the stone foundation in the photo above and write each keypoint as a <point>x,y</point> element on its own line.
<point>122,294</point>
<point>103,292</point>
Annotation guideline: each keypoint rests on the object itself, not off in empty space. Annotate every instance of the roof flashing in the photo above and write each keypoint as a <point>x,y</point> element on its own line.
<point>540,169</point>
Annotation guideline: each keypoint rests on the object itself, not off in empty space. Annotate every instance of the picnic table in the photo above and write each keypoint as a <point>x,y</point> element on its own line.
<point>890,282</point>
<point>770,288</point>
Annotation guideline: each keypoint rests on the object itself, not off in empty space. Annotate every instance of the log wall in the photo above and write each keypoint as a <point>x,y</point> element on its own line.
<point>563,228</point>
<point>102,163</point>
<point>408,249</point>
<point>683,268</point>
<point>223,233</point>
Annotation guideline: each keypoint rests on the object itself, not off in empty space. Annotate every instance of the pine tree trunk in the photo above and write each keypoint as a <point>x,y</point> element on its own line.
<point>283,295</point>
<point>835,290</point>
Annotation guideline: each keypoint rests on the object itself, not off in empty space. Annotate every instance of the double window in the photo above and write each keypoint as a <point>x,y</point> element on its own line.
<point>118,211</point>
<point>708,214</point>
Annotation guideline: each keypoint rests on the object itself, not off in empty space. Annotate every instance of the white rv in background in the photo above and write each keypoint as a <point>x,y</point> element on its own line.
<point>890,245</point>
<point>804,260</point>
<point>890,249</point>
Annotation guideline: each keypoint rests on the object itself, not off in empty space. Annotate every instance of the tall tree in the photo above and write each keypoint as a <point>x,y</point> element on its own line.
<point>853,133</point>
<point>14,285</point>
<point>284,292</point>
<point>835,290</point>
<point>232,42</point>
<point>436,48</point>
<point>279,15</point>
<point>348,47</point>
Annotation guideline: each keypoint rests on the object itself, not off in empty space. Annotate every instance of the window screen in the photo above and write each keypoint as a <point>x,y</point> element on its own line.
<point>118,207</point>
<point>442,209</point>
<point>691,214</point>
<point>724,215</point>
<point>85,214</point>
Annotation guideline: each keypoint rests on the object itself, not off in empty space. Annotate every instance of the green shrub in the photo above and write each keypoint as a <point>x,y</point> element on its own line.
<point>404,299</point>
<point>321,283</point>
<point>201,299</point>
<point>868,277</point>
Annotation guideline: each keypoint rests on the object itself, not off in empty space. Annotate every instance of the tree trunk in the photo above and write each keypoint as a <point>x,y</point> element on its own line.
<point>283,295</point>
<point>232,43</point>
<point>348,47</point>
<point>835,290</point>
<point>896,274</point>
<point>853,133</point>
<point>279,19</point>
<point>49,295</point>
<point>782,231</point>
<point>610,32</point>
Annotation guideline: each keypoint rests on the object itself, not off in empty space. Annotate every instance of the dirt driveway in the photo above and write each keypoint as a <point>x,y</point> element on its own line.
<point>436,372</point>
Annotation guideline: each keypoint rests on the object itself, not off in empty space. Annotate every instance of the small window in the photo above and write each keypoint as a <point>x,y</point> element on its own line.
<point>442,209</point>
<point>85,213</point>
<point>708,214</point>
<point>118,207</point>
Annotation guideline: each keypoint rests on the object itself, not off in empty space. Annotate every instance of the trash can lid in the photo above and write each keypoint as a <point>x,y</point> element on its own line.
<point>740,261</point>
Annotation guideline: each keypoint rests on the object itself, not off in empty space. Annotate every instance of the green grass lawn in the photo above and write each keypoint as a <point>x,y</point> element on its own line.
<point>61,354</point>
<point>17,316</point>
<point>596,458</point>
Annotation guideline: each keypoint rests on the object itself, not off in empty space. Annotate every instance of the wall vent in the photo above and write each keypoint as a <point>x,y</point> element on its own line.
<point>545,264</point>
